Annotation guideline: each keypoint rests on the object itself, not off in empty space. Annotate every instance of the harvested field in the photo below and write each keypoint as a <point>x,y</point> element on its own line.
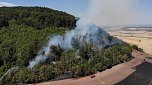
<point>141,38</point>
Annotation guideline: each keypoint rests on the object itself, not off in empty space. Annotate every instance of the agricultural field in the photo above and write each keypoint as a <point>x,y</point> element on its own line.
<point>141,38</point>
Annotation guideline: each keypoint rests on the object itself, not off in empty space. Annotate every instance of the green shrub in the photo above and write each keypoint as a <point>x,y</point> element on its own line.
<point>137,48</point>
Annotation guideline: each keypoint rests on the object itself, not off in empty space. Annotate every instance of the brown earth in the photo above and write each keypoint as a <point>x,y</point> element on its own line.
<point>119,74</point>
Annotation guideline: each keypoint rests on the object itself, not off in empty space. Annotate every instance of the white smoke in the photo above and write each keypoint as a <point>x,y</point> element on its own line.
<point>38,59</point>
<point>78,37</point>
<point>100,13</point>
<point>113,13</point>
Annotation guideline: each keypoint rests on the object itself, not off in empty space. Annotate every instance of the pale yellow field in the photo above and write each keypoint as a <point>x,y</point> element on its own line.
<point>141,38</point>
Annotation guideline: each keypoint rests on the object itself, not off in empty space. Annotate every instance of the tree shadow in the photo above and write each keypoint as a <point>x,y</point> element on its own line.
<point>142,75</point>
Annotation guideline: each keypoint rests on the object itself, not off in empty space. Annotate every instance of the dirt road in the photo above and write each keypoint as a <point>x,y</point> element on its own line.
<point>111,76</point>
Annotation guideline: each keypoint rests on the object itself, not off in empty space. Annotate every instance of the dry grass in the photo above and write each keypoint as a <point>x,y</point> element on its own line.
<point>141,38</point>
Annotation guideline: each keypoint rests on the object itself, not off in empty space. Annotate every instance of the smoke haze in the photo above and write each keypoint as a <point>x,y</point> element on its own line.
<point>115,13</point>
<point>81,35</point>
<point>101,13</point>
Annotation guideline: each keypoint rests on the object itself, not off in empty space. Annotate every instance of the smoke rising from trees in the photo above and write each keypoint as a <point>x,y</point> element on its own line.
<point>81,35</point>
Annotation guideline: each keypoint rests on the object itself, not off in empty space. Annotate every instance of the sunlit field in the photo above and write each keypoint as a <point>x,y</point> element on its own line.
<point>141,38</point>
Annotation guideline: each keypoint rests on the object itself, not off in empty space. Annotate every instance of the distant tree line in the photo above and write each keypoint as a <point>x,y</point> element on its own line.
<point>36,17</point>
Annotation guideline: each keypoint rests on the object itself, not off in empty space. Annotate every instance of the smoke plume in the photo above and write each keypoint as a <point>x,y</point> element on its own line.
<point>114,13</point>
<point>81,35</point>
<point>101,13</point>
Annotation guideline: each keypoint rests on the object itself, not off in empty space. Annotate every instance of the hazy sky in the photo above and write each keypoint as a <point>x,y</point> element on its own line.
<point>74,7</point>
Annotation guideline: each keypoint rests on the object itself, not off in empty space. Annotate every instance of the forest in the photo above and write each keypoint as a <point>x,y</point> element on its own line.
<point>36,17</point>
<point>24,30</point>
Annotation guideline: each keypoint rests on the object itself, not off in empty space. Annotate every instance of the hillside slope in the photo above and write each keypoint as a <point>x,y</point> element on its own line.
<point>37,17</point>
<point>24,30</point>
<point>82,51</point>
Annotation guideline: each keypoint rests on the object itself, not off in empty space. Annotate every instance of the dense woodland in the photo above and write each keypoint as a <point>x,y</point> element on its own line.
<point>20,40</point>
<point>36,17</point>
<point>24,30</point>
<point>73,63</point>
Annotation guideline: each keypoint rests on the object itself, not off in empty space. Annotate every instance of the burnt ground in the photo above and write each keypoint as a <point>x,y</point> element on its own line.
<point>142,75</point>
